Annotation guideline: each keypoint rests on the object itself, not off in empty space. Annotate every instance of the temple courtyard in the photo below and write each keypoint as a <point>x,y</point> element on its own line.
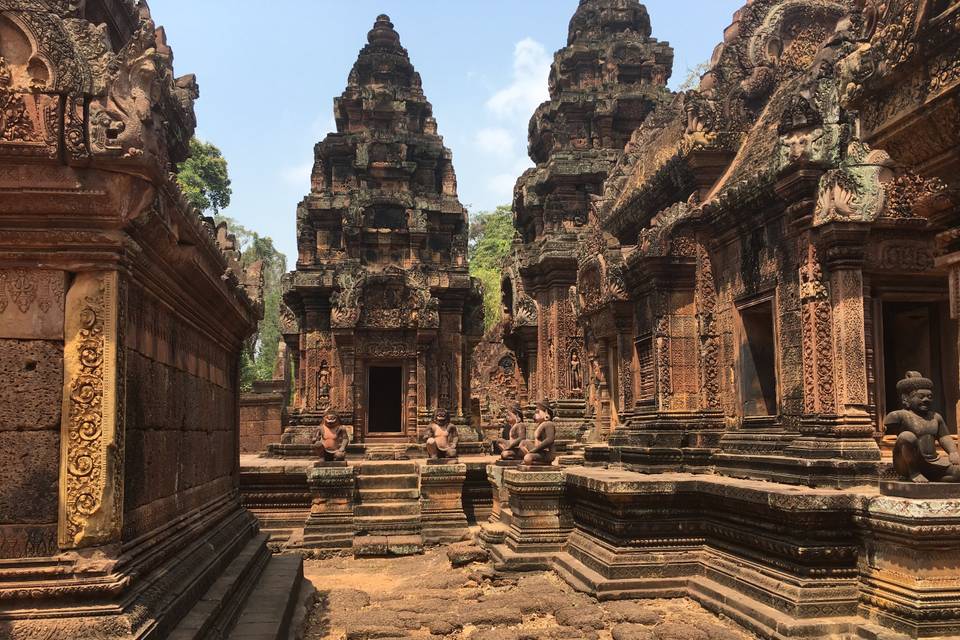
<point>425,596</point>
<point>705,386</point>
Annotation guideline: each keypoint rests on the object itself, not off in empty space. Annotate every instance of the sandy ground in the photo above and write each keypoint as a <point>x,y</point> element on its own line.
<point>424,597</point>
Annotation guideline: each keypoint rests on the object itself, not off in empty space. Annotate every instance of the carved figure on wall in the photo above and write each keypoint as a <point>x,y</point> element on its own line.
<point>332,438</point>
<point>441,437</point>
<point>443,397</point>
<point>510,445</point>
<point>323,380</point>
<point>539,451</point>
<point>576,375</point>
<point>918,428</point>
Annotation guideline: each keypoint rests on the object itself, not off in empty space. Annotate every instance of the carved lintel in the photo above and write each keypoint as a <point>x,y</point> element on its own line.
<point>91,481</point>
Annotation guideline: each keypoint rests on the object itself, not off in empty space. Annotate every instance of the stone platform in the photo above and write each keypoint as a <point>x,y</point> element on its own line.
<point>784,561</point>
<point>384,506</point>
<point>532,522</point>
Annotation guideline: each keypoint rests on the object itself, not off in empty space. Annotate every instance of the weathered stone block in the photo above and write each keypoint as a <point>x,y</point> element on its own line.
<point>32,371</point>
<point>441,502</point>
<point>29,473</point>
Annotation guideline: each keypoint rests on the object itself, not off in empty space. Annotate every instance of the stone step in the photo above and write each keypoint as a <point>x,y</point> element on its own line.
<point>392,545</point>
<point>386,509</point>
<point>391,481</point>
<point>384,495</point>
<point>389,467</point>
<point>386,525</point>
<point>271,606</point>
<point>218,607</point>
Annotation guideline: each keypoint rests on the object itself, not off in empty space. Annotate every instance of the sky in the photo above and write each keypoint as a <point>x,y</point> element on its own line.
<point>268,73</point>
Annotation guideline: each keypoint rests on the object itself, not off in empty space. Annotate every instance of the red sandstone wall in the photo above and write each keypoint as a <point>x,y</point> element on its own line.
<point>261,421</point>
<point>30,396</point>
<point>180,418</point>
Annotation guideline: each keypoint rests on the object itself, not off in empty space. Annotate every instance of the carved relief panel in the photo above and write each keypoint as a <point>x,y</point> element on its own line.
<point>91,472</point>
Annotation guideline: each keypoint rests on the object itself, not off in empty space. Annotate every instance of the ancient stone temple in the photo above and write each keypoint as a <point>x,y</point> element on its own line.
<point>122,318</point>
<point>383,314</point>
<point>603,85</point>
<point>767,269</point>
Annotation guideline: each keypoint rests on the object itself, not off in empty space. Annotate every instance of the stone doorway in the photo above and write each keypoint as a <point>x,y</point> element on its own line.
<point>917,336</point>
<point>385,400</point>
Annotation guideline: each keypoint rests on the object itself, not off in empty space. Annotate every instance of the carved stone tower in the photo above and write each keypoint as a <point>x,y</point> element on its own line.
<point>603,85</point>
<point>383,313</point>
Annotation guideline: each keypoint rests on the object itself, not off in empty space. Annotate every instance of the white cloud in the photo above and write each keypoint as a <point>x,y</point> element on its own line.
<point>531,67</point>
<point>496,141</point>
<point>501,184</point>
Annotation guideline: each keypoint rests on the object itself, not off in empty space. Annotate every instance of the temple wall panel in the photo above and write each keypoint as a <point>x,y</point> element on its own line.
<point>32,372</point>
<point>31,367</point>
<point>181,416</point>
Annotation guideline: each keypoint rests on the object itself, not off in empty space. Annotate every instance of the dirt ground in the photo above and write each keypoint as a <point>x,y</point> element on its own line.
<point>424,597</point>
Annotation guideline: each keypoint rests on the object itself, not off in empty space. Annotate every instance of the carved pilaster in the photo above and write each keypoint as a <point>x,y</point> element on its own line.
<point>836,446</point>
<point>91,453</point>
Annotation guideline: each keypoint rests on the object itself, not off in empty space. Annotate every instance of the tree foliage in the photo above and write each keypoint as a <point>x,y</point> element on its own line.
<point>260,355</point>
<point>204,178</point>
<point>692,79</point>
<point>491,234</point>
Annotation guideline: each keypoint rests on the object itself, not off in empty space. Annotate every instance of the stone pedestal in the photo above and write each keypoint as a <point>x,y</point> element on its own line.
<point>441,502</point>
<point>539,520</point>
<point>909,565</point>
<point>330,523</point>
<point>494,531</point>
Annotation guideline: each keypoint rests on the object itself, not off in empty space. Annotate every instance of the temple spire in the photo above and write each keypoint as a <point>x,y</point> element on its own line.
<point>383,34</point>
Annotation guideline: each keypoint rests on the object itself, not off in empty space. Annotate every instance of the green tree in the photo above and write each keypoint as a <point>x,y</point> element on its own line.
<point>260,356</point>
<point>204,177</point>
<point>491,234</point>
<point>205,181</point>
<point>692,79</point>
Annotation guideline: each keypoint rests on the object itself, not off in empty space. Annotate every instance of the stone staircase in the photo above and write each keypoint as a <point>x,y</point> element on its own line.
<point>257,597</point>
<point>386,518</point>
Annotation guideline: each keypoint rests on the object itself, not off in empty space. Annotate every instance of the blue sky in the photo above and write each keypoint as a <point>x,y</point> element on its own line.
<point>268,73</point>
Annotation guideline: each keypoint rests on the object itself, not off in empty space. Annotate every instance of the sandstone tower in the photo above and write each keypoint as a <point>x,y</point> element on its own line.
<point>383,312</point>
<point>603,85</point>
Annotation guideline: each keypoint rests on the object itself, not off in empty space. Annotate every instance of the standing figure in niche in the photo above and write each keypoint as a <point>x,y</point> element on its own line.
<point>323,382</point>
<point>332,438</point>
<point>510,445</point>
<point>539,451</point>
<point>576,376</point>
<point>918,429</point>
<point>441,436</point>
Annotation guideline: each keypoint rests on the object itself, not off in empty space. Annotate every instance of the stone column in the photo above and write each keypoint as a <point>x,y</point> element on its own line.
<point>422,406</point>
<point>602,417</point>
<point>836,446</point>
<point>540,521</point>
<point>441,507</point>
<point>330,523</point>
<point>91,438</point>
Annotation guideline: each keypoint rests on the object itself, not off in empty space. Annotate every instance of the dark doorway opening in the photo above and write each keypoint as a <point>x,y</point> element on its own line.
<point>913,341</point>
<point>385,400</point>
<point>758,369</point>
